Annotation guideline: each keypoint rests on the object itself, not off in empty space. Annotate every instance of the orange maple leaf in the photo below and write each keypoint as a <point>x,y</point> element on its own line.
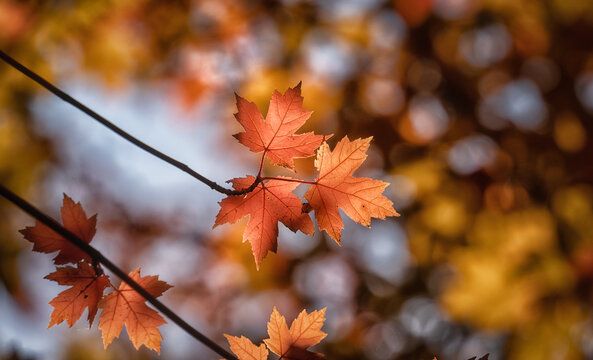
<point>335,187</point>
<point>266,205</point>
<point>276,134</point>
<point>288,343</point>
<point>245,349</point>
<point>86,291</point>
<point>126,306</point>
<point>292,343</point>
<point>46,240</point>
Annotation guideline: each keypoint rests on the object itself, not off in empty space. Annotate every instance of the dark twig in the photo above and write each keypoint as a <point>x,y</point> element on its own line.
<point>69,99</point>
<point>98,257</point>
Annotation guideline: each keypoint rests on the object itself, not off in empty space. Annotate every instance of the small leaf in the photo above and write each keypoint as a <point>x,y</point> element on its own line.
<point>245,349</point>
<point>266,205</point>
<point>46,240</point>
<point>126,306</point>
<point>280,339</point>
<point>86,291</point>
<point>335,187</point>
<point>276,134</point>
<point>305,331</point>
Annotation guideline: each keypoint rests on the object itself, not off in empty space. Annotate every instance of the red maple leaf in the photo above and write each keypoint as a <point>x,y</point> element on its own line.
<point>86,291</point>
<point>275,135</point>
<point>271,201</point>
<point>126,306</point>
<point>46,240</point>
<point>266,205</point>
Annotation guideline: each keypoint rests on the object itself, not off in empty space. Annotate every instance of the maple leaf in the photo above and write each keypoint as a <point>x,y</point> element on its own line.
<point>335,187</point>
<point>266,205</point>
<point>292,343</point>
<point>86,291</point>
<point>245,349</point>
<point>126,306</point>
<point>288,343</point>
<point>276,134</point>
<point>46,240</point>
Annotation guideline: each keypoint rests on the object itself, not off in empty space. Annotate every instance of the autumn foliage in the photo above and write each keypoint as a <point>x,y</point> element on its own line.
<point>267,205</point>
<point>88,282</point>
<point>125,306</point>
<point>273,200</point>
<point>275,135</point>
<point>288,343</point>
<point>270,202</point>
<point>46,240</point>
<point>481,114</point>
<point>335,187</point>
<point>86,291</point>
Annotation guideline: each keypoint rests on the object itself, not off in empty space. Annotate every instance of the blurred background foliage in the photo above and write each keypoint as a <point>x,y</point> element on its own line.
<point>482,117</point>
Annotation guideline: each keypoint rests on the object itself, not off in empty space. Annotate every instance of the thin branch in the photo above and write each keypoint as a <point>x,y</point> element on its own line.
<point>70,100</point>
<point>98,257</point>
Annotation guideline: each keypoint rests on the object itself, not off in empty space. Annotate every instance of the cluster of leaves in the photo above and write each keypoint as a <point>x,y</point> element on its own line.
<point>88,282</point>
<point>288,343</point>
<point>124,306</point>
<point>442,208</point>
<point>273,201</point>
<point>270,201</point>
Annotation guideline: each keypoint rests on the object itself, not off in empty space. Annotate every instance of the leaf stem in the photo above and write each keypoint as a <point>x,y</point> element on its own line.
<point>70,100</point>
<point>98,257</point>
<point>286,179</point>
<point>261,164</point>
